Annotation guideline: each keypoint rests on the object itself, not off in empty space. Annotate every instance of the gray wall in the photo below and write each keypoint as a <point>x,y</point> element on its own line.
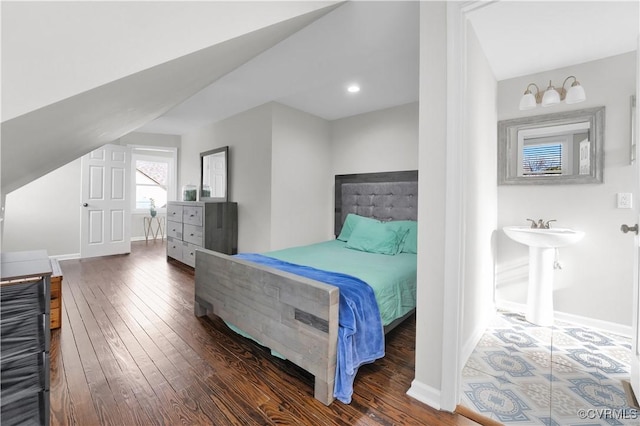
<point>596,279</point>
<point>301,195</point>
<point>249,136</point>
<point>379,141</point>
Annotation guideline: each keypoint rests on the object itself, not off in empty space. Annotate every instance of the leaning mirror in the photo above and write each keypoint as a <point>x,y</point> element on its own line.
<point>214,173</point>
<point>560,148</point>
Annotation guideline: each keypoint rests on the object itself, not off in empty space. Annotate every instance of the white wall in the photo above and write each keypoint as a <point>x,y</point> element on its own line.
<point>596,279</point>
<point>248,136</point>
<point>431,204</point>
<point>45,214</point>
<point>481,196</point>
<point>301,196</point>
<point>379,141</point>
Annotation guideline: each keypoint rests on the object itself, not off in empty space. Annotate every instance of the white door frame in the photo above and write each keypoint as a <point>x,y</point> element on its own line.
<point>635,355</point>
<point>452,364</point>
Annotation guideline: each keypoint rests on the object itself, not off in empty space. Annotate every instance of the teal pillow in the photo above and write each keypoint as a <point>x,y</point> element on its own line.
<point>377,237</point>
<point>350,223</point>
<point>410,242</point>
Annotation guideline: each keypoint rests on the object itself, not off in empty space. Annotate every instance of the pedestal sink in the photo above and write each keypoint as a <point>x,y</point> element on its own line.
<point>542,244</point>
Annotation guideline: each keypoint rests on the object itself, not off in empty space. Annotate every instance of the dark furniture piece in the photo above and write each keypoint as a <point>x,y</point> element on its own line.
<point>25,297</point>
<point>192,225</point>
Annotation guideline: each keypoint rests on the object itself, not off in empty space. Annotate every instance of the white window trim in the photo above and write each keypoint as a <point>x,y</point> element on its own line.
<point>152,153</point>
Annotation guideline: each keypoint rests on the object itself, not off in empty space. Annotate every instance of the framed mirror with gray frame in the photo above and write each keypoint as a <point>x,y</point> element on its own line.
<point>214,174</point>
<point>559,148</point>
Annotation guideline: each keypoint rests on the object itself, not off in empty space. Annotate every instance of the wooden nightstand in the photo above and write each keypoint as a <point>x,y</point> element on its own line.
<point>56,295</point>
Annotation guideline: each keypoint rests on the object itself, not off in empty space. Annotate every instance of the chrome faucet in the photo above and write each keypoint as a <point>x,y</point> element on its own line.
<point>541,224</point>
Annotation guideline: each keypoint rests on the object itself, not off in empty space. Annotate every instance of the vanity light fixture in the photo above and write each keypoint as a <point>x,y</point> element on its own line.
<point>553,96</point>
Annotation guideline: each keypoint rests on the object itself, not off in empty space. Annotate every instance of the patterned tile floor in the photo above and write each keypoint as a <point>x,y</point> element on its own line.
<point>524,374</point>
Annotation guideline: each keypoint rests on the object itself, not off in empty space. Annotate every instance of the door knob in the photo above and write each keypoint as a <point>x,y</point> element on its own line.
<point>627,228</point>
<point>85,205</point>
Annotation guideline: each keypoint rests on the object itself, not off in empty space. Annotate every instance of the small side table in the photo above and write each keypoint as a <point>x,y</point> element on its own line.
<point>153,226</point>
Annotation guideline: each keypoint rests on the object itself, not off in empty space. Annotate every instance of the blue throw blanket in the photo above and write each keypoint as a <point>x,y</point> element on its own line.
<point>360,332</point>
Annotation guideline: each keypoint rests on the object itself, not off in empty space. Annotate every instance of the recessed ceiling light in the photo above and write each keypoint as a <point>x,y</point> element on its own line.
<point>353,88</point>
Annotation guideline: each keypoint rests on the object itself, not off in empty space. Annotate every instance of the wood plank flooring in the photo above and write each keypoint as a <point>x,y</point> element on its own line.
<point>131,352</point>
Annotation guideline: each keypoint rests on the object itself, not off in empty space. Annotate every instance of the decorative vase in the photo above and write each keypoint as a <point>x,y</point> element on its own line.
<point>189,192</point>
<point>153,212</point>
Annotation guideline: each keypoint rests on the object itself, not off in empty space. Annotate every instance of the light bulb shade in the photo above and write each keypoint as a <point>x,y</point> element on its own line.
<point>528,101</point>
<point>575,94</point>
<point>551,97</point>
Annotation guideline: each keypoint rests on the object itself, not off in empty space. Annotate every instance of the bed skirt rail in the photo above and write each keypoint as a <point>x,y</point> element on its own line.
<point>290,314</point>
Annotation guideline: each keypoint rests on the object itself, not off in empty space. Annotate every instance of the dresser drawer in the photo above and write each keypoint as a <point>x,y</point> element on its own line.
<point>189,254</point>
<point>193,234</point>
<point>174,229</point>
<point>174,212</point>
<point>174,248</point>
<point>192,215</point>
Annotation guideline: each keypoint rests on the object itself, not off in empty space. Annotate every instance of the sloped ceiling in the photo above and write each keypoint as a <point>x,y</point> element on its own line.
<point>38,142</point>
<point>372,43</point>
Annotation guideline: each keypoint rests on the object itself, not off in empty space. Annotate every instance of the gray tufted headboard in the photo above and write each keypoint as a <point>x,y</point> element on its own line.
<point>383,196</point>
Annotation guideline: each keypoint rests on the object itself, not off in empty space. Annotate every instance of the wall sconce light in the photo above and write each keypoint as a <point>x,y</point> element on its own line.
<point>553,96</point>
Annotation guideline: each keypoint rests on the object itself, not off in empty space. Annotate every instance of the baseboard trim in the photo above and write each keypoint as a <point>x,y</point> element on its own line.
<point>425,394</point>
<point>632,401</point>
<point>71,256</point>
<point>473,341</point>
<point>606,326</point>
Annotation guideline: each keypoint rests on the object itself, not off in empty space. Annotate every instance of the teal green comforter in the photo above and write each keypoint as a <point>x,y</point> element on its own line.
<point>393,278</point>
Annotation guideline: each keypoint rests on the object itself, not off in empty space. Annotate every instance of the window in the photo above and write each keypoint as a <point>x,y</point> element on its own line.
<point>542,159</point>
<point>550,151</point>
<point>154,177</point>
<point>151,183</point>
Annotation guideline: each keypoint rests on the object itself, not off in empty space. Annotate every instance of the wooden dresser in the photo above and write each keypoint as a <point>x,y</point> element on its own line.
<point>192,225</point>
<point>56,295</point>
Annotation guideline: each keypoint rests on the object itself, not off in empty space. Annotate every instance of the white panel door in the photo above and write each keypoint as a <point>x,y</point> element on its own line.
<point>106,213</point>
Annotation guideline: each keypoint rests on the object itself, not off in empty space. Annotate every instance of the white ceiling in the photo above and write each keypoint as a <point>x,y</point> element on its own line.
<point>376,44</point>
<point>527,37</point>
<point>372,43</point>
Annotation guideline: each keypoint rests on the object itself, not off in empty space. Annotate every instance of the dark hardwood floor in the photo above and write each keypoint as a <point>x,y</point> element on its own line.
<point>131,352</point>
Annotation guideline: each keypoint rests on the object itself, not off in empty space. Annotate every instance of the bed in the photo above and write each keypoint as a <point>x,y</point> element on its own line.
<point>296,315</point>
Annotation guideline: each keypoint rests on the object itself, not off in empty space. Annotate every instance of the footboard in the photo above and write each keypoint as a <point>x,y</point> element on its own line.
<point>293,315</point>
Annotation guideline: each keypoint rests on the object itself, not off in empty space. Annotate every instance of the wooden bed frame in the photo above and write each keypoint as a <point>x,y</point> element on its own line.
<point>293,315</point>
